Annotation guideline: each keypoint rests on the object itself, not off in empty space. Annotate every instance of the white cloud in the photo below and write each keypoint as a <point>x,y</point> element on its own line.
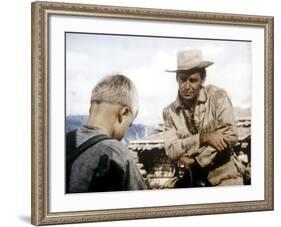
<point>156,87</point>
<point>145,63</point>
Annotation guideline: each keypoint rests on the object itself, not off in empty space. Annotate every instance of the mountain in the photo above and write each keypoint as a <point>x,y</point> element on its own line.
<point>136,131</point>
<point>242,112</point>
<point>73,122</point>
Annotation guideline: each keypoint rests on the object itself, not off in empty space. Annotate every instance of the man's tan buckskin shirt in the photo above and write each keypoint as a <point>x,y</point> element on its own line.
<point>213,111</point>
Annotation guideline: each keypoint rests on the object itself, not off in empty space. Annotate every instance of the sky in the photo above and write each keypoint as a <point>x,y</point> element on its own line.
<point>89,57</point>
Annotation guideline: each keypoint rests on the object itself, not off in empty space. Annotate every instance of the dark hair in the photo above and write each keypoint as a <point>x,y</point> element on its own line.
<point>202,72</point>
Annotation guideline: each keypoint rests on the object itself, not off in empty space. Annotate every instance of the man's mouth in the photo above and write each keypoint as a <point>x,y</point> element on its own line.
<point>187,93</point>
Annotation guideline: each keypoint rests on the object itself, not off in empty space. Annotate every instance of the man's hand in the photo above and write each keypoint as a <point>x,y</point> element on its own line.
<point>214,139</point>
<point>181,134</point>
<point>185,162</point>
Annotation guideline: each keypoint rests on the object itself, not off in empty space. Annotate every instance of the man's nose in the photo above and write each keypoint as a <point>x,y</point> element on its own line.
<point>187,85</point>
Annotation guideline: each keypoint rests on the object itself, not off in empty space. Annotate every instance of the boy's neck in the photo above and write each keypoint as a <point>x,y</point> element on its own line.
<point>102,116</point>
<point>97,124</point>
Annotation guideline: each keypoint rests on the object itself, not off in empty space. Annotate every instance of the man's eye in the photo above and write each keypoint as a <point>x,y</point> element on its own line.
<point>191,80</point>
<point>182,79</point>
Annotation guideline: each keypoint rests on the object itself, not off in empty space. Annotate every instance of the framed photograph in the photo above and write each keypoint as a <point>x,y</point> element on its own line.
<point>149,113</point>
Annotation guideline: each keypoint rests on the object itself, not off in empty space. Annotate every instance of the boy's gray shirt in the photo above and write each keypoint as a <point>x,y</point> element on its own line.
<point>106,166</point>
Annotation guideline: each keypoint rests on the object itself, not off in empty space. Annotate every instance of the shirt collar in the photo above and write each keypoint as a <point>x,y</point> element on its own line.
<point>201,99</point>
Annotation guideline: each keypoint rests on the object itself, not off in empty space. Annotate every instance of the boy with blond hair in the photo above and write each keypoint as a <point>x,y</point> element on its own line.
<point>107,165</point>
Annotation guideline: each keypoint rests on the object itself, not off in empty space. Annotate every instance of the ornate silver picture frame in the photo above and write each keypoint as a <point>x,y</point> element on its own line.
<point>50,23</point>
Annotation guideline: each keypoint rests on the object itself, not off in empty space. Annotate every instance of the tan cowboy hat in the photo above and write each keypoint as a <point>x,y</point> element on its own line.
<point>189,59</point>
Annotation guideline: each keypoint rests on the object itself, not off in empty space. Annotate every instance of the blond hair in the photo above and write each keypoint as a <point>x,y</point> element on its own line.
<point>116,89</point>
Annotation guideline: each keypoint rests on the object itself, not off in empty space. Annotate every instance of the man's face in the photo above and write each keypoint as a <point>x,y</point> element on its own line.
<point>189,85</point>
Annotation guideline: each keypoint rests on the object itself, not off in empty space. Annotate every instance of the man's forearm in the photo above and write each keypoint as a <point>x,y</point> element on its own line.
<point>214,139</point>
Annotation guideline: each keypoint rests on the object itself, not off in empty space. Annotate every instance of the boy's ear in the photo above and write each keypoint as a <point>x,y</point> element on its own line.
<point>124,111</point>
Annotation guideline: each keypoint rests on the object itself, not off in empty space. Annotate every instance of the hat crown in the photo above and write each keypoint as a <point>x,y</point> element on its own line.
<point>189,59</point>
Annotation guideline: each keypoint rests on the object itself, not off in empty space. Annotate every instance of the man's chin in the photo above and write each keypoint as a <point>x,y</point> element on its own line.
<point>188,97</point>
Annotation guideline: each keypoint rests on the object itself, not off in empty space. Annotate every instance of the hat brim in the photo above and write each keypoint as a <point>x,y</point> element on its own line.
<point>203,64</point>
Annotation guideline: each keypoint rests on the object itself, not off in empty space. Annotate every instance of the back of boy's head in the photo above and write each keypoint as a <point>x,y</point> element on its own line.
<point>116,89</point>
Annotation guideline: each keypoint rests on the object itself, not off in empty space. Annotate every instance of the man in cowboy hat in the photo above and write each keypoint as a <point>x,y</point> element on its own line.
<point>200,127</point>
